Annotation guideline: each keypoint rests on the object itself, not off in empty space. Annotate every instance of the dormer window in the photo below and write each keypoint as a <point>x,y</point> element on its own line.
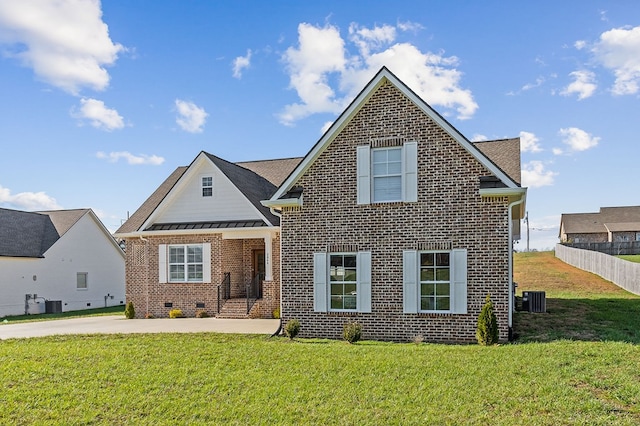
<point>207,186</point>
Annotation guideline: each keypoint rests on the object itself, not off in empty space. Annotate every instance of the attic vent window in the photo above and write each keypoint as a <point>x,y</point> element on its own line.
<point>207,186</point>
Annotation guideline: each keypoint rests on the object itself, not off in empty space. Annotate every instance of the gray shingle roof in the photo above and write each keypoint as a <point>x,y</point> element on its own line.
<point>613,218</point>
<point>26,234</point>
<point>257,180</point>
<point>504,153</point>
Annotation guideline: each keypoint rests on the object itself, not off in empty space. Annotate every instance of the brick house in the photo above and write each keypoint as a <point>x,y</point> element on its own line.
<point>610,224</point>
<point>203,242</point>
<point>396,220</point>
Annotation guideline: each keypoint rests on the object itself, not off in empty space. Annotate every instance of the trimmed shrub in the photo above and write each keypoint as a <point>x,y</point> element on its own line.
<point>176,313</point>
<point>292,328</point>
<point>129,311</point>
<point>487,332</point>
<point>202,314</point>
<point>352,332</point>
<point>149,315</point>
<point>418,339</point>
<point>276,313</point>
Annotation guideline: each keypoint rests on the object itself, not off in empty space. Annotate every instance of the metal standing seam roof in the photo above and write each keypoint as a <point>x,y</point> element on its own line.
<point>255,179</point>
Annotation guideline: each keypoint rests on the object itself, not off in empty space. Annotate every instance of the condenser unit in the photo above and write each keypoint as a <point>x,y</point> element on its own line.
<point>534,301</point>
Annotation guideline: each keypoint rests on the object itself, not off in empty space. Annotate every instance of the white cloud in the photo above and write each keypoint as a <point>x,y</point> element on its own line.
<point>131,159</point>
<point>28,200</point>
<point>98,115</point>
<point>577,139</point>
<point>529,142</point>
<point>413,27</point>
<point>65,42</point>
<point>240,63</point>
<point>478,137</point>
<point>580,44</point>
<point>583,84</point>
<point>619,50</point>
<point>534,175</point>
<point>191,118</point>
<point>326,126</point>
<point>327,76</point>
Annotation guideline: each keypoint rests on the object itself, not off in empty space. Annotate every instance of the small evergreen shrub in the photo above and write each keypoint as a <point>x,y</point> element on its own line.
<point>129,311</point>
<point>149,315</point>
<point>292,328</point>
<point>352,332</point>
<point>487,332</point>
<point>276,313</point>
<point>202,314</point>
<point>176,313</point>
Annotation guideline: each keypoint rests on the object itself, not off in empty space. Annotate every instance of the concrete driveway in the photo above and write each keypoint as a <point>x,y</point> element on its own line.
<point>113,324</point>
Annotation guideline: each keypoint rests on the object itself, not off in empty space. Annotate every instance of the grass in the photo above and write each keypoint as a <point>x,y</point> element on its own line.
<point>112,310</point>
<point>580,305</point>
<point>630,257</point>
<point>573,374</point>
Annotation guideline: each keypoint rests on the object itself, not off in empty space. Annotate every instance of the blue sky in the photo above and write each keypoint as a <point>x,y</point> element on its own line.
<point>99,102</point>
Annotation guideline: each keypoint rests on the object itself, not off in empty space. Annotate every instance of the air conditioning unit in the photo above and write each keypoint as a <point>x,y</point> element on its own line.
<point>534,301</point>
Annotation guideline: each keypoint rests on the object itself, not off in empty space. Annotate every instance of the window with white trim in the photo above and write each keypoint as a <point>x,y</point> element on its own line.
<point>342,281</point>
<point>207,186</point>
<point>387,174</point>
<point>185,263</point>
<point>82,280</point>
<point>435,284</point>
<point>435,281</point>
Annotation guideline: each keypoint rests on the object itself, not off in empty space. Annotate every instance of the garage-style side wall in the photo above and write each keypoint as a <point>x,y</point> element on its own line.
<point>449,212</point>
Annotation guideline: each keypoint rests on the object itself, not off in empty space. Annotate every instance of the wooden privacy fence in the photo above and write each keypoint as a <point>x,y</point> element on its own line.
<point>623,273</point>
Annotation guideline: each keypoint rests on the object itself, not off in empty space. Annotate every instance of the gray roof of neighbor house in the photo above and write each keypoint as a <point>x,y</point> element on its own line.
<point>257,180</point>
<point>31,234</point>
<point>614,219</point>
<point>504,153</point>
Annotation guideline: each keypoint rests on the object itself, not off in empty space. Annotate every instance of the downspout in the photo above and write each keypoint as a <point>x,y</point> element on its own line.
<point>279,216</point>
<point>146,278</point>
<point>511,295</point>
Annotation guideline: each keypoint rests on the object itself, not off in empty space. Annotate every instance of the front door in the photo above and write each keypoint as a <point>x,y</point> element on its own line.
<point>258,270</point>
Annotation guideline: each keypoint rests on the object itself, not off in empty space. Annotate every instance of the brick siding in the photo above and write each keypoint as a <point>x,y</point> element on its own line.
<point>449,211</point>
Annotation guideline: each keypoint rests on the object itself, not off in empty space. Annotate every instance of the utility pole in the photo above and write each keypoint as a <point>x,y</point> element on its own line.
<point>526,219</point>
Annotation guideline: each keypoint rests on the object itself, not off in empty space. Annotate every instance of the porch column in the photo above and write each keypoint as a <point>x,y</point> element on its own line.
<point>268,263</point>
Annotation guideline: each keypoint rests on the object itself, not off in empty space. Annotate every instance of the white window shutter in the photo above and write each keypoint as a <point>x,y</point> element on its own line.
<point>410,281</point>
<point>363,164</point>
<point>459,281</point>
<point>364,281</point>
<point>206,262</point>
<point>162,263</point>
<point>320,291</point>
<point>410,172</point>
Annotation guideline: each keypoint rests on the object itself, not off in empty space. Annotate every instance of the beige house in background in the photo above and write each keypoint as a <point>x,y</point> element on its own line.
<point>610,224</point>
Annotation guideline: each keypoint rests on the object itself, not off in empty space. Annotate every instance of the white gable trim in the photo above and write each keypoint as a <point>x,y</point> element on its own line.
<point>182,183</point>
<point>384,75</point>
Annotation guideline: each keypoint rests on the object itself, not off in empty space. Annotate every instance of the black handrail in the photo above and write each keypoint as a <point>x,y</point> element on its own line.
<point>254,291</point>
<point>225,288</point>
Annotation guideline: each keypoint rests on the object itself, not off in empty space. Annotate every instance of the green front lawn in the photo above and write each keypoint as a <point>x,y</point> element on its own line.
<point>112,310</point>
<point>230,379</point>
<point>579,363</point>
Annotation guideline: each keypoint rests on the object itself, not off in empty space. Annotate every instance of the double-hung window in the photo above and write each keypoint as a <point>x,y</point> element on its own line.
<point>435,281</point>
<point>387,174</point>
<point>207,186</point>
<point>342,281</point>
<point>184,263</point>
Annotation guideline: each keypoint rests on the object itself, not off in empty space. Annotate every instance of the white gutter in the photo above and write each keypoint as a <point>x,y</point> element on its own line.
<point>282,202</point>
<point>510,218</point>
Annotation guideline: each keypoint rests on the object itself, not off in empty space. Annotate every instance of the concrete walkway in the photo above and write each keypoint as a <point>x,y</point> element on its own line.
<point>112,324</point>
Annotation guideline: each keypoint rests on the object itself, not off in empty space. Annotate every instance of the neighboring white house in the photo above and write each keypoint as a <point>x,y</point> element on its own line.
<point>56,261</point>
